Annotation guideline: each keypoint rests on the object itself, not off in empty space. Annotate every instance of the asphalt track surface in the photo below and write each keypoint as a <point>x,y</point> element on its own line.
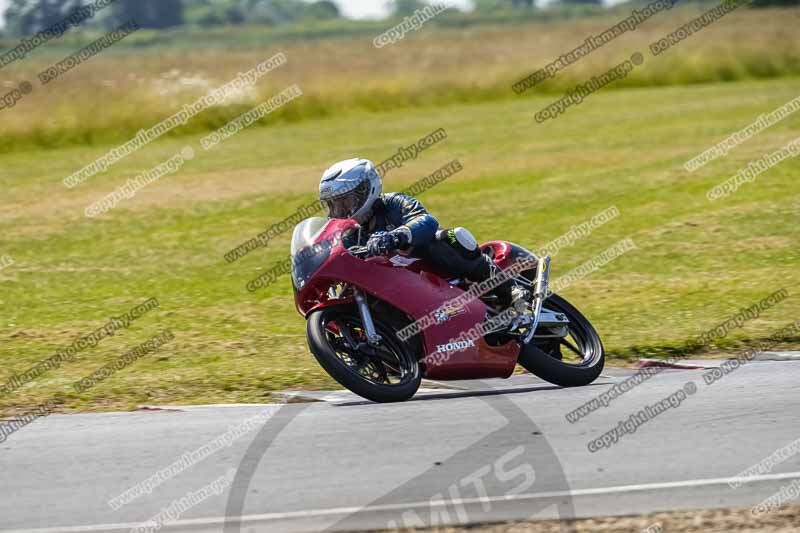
<point>496,450</point>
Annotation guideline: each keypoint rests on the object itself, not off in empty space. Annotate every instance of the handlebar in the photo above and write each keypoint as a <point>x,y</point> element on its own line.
<point>362,251</point>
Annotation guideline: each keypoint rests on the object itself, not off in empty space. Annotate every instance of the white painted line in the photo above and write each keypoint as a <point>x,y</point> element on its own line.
<point>200,407</point>
<point>421,505</point>
<point>342,396</point>
<point>777,356</point>
<point>448,385</point>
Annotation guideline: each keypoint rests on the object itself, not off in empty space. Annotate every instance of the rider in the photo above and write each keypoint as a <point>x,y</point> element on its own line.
<point>395,221</point>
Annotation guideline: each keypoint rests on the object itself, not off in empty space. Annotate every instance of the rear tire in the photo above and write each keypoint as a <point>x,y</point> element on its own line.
<point>550,367</point>
<point>321,342</point>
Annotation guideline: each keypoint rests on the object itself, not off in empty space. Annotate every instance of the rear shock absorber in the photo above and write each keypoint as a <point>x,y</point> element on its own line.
<point>539,294</point>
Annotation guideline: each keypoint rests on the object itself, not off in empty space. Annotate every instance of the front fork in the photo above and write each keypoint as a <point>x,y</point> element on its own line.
<point>373,338</point>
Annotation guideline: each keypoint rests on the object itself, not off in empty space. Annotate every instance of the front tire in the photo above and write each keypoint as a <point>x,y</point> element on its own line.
<point>334,336</point>
<point>544,359</point>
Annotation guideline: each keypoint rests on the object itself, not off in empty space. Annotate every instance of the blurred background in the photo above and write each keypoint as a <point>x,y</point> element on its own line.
<point>696,263</point>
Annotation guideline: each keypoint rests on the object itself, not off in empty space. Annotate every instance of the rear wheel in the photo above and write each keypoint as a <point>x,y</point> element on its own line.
<point>572,361</point>
<point>388,372</point>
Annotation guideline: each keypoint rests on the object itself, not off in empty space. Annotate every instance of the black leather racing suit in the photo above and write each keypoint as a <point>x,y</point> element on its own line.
<point>395,210</point>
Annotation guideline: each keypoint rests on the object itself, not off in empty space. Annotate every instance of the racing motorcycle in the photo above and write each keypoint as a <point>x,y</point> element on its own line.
<point>378,325</point>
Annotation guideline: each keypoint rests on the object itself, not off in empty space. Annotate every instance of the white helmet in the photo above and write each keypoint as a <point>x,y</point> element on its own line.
<point>349,189</point>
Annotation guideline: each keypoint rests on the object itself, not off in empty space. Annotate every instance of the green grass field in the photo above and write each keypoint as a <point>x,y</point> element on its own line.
<point>697,261</point>
<point>149,75</point>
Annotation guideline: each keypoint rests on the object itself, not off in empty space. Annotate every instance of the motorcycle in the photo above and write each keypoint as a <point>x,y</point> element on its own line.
<point>378,325</point>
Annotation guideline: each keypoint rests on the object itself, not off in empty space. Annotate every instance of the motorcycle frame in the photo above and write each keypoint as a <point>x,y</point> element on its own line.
<point>416,290</point>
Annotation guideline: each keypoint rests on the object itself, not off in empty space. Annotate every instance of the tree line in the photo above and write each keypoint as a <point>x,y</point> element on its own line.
<point>26,17</point>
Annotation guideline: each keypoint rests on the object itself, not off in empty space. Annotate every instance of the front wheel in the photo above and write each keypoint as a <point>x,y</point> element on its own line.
<point>572,361</point>
<point>388,372</point>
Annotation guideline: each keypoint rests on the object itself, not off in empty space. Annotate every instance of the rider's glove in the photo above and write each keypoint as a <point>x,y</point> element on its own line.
<point>383,242</point>
<point>380,243</point>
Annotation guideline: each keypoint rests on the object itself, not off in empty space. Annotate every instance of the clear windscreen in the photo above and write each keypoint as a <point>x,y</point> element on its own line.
<point>306,232</point>
<point>307,256</point>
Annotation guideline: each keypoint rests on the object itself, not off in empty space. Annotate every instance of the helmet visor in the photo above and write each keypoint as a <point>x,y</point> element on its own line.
<point>346,205</point>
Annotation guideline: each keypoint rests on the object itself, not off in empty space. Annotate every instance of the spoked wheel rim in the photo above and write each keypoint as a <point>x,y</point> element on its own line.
<point>386,365</point>
<point>580,348</point>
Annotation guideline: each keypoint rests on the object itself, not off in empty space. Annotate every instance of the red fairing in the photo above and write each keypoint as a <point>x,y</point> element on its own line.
<point>407,284</point>
<point>479,362</point>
